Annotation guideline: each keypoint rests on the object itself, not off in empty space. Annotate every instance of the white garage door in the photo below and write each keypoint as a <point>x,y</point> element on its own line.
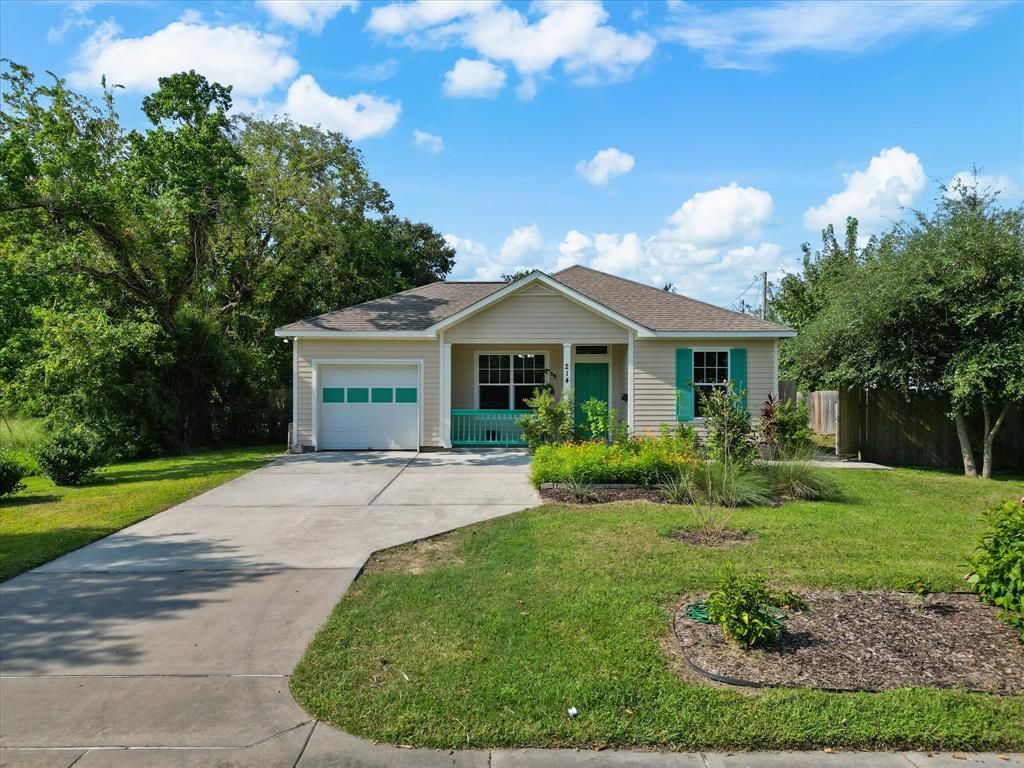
<point>369,407</point>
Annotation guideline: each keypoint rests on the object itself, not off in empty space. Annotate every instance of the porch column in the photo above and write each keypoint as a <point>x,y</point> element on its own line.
<point>629,380</point>
<point>566,367</point>
<point>446,393</point>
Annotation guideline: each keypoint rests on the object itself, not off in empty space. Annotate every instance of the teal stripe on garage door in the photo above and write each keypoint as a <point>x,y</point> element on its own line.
<point>405,394</point>
<point>334,394</point>
<point>358,395</point>
<point>382,395</point>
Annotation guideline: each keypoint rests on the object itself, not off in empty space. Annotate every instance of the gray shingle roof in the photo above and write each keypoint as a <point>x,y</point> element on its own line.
<point>419,308</point>
<point>657,309</point>
<point>412,310</point>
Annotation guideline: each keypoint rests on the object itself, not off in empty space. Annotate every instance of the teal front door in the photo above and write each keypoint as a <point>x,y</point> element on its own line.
<point>590,380</point>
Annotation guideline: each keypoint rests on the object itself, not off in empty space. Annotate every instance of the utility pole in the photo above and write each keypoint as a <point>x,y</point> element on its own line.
<point>764,295</point>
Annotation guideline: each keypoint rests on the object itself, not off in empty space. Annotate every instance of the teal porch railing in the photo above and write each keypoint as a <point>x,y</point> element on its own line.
<point>476,427</point>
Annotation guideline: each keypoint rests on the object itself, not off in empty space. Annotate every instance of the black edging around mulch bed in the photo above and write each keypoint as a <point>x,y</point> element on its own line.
<point>714,676</point>
<point>989,662</point>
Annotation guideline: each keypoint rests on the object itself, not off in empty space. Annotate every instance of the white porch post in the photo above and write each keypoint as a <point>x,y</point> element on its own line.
<point>446,393</point>
<point>295,442</point>
<point>629,380</point>
<point>566,367</point>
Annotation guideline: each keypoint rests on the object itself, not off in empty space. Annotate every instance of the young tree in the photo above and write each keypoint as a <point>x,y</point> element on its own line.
<point>939,307</point>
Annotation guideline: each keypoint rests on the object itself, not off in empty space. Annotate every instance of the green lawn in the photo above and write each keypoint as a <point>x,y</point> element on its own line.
<point>519,618</point>
<point>45,521</point>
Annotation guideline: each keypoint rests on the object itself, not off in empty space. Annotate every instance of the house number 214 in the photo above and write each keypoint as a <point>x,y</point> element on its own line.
<point>565,377</point>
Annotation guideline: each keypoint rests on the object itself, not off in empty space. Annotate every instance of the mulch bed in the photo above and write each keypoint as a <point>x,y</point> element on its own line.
<point>604,495</point>
<point>872,641</point>
<point>723,538</point>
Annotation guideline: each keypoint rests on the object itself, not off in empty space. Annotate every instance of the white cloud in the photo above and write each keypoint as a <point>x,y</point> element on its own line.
<point>406,18</point>
<point>375,73</point>
<point>358,117</point>
<point>702,259</point>
<point>572,32</point>
<point>253,62</point>
<point>428,141</point>
<point>1003,185</point>
<point>875,195</point>
<point>474,79</point>
<point>722,215</point>
<point>310,15</point>
<point>522,241</point>
<point>751,36</point>
<point>475,261</point>
<point>605,165</point>
<point>74,18</point>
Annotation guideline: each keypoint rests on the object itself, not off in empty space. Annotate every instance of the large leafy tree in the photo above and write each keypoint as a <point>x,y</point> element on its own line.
<point>937,306</point>
<point>149,268</point>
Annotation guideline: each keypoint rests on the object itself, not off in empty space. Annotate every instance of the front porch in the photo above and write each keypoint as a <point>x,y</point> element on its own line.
<point>484,386</point>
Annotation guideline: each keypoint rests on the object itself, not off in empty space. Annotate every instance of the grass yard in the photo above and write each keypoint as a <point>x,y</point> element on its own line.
<point>45,521</point>
<point>485,636</point>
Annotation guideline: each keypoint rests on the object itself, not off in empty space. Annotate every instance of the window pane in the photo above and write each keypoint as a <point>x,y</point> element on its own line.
<point>494,398</point>
<point>522,394</point>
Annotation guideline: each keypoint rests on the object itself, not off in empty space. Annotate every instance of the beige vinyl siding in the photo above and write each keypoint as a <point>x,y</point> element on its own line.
<point>620,377</point>
<point>464,367</point>
<point>383,350</point>
<point>534,318</point>
<point>655,376</point>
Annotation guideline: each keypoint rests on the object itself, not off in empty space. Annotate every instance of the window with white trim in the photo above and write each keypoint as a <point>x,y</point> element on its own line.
<point>710,372</point>
<point>505,381</point>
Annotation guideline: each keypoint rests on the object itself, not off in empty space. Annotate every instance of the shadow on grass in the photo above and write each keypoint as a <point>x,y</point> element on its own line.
<point>142,474</point>
<point>79,619</point>
<point>21,551</point>
<point>27,499</point>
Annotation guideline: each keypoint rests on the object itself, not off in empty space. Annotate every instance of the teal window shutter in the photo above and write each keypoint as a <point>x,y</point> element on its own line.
<point>684,384</point>
<point>738,373</point>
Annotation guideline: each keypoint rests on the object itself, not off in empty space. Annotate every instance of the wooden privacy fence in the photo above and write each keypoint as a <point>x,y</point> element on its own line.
<point>888,428</point>
<point>824,411</point>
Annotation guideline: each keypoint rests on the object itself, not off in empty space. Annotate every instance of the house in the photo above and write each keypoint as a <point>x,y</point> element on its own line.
<point>451,363</point>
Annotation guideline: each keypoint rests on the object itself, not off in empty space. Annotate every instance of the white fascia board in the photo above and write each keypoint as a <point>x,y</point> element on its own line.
<point>564,290</point>
<point>425,334</point>
<point>724,334</point>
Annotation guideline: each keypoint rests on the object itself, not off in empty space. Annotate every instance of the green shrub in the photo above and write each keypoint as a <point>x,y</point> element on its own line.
<point>997,566</point>
<point>782,425</point>
<point>729,438</point>
<point>637,461</point>
<point>596,413</point>
<point>11,472</point>
<point>743,607</point>
<point>787,598</point>
<point>797,478</point>
<point>552,421</point>
<point>71,455</point>
<point>618,430</point>
<point>580,492</point>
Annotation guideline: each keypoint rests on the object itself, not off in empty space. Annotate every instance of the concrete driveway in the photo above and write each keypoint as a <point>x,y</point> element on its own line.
<point>171,642</point>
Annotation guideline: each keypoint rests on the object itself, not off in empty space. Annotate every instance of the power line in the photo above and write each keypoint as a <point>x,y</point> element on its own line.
<point>745,291</point>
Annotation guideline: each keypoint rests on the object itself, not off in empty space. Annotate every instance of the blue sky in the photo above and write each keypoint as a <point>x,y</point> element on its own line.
<point>697,143</point>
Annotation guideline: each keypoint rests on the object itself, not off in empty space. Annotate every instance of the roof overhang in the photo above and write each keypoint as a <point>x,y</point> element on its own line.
<point>780,334</point>
<point>539,277</point>
<point>284,333</point>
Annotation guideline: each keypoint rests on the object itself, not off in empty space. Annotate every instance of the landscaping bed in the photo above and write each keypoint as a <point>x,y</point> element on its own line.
<point>603,495</point>
<point>871,640</point>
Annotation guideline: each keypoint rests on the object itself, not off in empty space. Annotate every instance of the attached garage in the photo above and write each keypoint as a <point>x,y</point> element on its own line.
<point>368,405</point>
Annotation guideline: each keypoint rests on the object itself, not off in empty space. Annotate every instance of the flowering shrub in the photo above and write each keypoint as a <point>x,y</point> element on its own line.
<point>637,461</point>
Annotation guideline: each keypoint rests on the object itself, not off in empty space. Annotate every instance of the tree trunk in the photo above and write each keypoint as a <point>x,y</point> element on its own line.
<point>990,437</point>
<point>965,445</point>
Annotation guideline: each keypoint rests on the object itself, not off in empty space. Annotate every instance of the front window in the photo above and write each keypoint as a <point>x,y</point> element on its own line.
<point>710,372</point>
<point>506,381</point>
